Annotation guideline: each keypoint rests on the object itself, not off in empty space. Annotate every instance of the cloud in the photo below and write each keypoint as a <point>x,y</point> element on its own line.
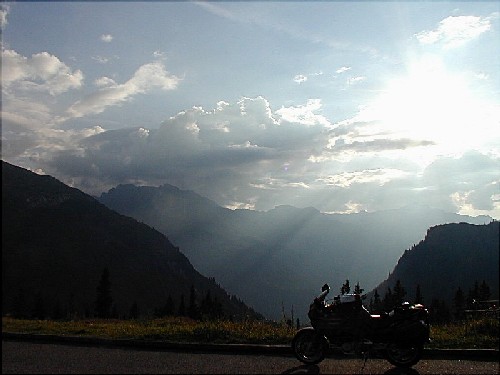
<point>379,175</point>
<point>244,154</point>
<point>219,11</point>
<point>471,184</point>
<point>304,114</point>
<point>377,145</point>
<point>42,72</point>
<point>107,38</point>
<point>455,31</point>
<point>146,78</point>
<point>104,82</point>
<point>4,12</point>
<point>100,59</point>
<point>205,150</point>
<point>31,90</point>
<point>159,54</point>
<point>355,80</point>
<point>299,78</point>
<point>343,69</point>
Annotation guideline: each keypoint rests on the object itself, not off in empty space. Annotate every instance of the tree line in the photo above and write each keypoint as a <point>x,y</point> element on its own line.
<point>209,307</point>
<point>439,310</point>
<point>206,308</point>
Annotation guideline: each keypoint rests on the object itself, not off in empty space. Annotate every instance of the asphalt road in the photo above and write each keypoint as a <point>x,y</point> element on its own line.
<point>44,358</point>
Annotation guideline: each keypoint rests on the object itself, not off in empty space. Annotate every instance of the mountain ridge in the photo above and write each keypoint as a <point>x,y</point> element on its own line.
<point>473,251</point>
<point>57,240</point>
<point>287,252</point>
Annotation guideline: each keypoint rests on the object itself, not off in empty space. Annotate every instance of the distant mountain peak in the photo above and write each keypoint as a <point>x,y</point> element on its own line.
<point>287,251</point>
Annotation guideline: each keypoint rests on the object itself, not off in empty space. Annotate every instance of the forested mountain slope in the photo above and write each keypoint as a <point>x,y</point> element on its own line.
<point>57,241</point>
<point>451,256</point>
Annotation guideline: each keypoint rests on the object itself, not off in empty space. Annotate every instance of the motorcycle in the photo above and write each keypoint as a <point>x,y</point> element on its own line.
<point>345,325</point>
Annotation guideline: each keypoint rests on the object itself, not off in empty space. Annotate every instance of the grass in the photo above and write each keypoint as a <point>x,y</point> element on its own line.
<point>482,333</point>
<point>168,329</point>
<point>476,334</point>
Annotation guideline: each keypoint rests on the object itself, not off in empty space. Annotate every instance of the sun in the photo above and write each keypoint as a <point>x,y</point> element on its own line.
<point>431,103</point>
<point>428,103</point>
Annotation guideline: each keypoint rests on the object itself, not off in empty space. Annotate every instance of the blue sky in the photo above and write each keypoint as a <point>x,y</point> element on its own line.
<point>343,106</point>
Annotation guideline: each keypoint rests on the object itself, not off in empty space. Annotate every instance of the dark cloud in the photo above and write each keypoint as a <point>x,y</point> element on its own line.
<point>378,145</point>
<point>244,155</point>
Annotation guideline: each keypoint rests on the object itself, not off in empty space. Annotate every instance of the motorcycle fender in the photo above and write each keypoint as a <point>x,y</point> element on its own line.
<point>321,334</point>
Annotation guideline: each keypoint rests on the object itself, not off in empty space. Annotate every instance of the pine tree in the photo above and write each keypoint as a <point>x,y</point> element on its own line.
<point>217,309</point>
<point>193,309</point>
<point>484,291</point>
<point>473,296</point>
<point>71,313</point>
<point>114,312</point>
<point>57,312</point>
<point>345,288</point>
<point>439,312</point>
<point>182,307</point>
<point>39,308</point>
<point>357,289</point>
<point>388,301</point>
<point>104,300</point>
<point>207,306</point>
<point>459,304</point>
<point>418,296</point>
<point>19,305</point>
<point>398,293</point>
<point>169,307</point>
<point>377,303</point>
<point>134,311</point>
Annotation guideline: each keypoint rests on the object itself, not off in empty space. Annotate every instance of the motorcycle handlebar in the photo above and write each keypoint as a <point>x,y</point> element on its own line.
<point>325,290</point>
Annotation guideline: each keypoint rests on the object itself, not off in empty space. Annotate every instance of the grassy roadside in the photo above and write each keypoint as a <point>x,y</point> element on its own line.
<point>477,334</point>
<point>173,329</point>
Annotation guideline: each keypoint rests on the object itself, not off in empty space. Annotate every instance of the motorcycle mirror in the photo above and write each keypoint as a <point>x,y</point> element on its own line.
<point>325,287</point>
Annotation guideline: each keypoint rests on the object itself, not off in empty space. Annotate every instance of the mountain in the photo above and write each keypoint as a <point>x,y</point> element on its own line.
<point>57,241</point>
<point>451,256</point>
<point>279,258</point>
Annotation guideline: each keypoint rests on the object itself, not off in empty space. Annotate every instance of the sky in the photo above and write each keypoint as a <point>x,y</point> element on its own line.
<point>342,106</point>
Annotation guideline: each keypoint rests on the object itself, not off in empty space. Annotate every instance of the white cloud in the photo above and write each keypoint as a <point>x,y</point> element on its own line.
<point>19,72</point>
<point>147,77</point>
<point>24,112</point>
<point>378,175</point>
<point>454,31</point>
<point>4,12</point>
<point>100,59</point>
<point>304,114</point>
<point>299,78</point>
<point>429,106</point>
<point>159,54</point>
<point>107,38</point>
<point>218,10</point>
<point>354,80</point>
<point>104,82</point>
<point>343,69</point>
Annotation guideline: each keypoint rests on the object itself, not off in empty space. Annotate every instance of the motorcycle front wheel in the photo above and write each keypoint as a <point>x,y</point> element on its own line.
<point>309,347</point>
<point>404,355</point>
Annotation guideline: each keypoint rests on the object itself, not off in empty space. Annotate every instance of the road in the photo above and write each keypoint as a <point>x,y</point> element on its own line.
<point>43,358</point>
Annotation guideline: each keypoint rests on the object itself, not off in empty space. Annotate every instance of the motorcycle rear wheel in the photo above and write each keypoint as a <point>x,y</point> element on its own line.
<point>309,347</point>
<point>405,355</point>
